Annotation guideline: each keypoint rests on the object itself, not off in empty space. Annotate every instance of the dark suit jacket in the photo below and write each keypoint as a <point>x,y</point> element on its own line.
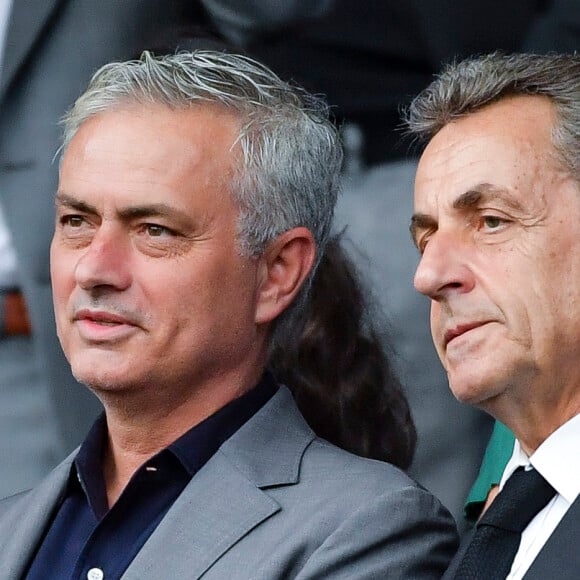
<point>559,559</point>
<point>53,47</point>
<point>275,502</point>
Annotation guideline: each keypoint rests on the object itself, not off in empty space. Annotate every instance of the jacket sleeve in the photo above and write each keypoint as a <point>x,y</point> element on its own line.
<point>400,535</point>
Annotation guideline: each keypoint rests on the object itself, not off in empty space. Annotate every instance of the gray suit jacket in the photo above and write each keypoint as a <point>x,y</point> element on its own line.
<point>52,49</point>
<point>274,502</point>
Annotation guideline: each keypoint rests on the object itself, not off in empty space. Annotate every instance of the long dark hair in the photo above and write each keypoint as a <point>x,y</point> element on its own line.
<point>336,362</point>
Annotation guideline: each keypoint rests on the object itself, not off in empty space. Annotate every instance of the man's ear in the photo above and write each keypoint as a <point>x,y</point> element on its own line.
<point>284,266</point>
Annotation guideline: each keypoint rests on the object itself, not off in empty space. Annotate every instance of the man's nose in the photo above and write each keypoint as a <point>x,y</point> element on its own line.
<point>105,262</point>
<point>444,268</point>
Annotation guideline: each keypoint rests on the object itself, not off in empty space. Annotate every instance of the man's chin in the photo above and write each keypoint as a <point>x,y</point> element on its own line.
<point>472,390</point>
<point>98,382</point>
<point>101,368</point>
<point>475,393</point>
<point>98,377</point>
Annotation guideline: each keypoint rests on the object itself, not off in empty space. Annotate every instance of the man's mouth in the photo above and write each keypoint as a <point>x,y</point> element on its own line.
<point>460,329</point>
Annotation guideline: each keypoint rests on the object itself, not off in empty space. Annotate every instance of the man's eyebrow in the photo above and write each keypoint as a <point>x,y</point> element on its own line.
<point>484,193</point>
<point>66,200</point>
<point>149,210</point>
<point>178,217</point>
<point>125,214</point>
<point>469,199</point>
<point>480,194</point>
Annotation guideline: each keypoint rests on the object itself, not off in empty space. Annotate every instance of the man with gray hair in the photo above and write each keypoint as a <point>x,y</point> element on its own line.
<point>196,194</point>
<point>497,207</point>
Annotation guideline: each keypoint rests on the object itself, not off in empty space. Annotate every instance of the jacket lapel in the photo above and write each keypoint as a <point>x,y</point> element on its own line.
<point>214,512</point>
<point>23,525</point>
<point>27,20</point>
<point>560,556</point>
<point>224,501</point>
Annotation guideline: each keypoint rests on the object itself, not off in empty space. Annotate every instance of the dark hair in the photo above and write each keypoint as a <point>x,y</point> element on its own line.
<point>333,359</point>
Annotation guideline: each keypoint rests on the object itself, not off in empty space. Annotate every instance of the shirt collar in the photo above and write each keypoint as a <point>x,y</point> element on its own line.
<point>556,459</point>
<point>193,449</point>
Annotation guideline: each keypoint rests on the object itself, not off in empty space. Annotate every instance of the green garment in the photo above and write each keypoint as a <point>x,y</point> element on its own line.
<point>497,454</point>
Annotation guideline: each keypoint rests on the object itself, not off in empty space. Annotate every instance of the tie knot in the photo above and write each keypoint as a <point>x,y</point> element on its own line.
<point>523,496</point>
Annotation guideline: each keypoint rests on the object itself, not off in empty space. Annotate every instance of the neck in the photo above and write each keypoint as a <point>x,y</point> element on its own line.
<point>141,427</point>
<point>532,422</point>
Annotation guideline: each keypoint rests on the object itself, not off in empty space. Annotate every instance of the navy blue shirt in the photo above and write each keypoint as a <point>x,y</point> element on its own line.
<point>85,535</point>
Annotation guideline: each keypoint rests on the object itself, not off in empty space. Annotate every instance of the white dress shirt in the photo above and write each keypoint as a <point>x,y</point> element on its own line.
<point>7,255</point>
<point>558,461</point>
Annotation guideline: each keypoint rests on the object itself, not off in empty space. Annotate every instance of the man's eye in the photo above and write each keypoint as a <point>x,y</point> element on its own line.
<point>493,222</point>
<point>73,221</point>
<point>155,230</point>
<point>422,242</point>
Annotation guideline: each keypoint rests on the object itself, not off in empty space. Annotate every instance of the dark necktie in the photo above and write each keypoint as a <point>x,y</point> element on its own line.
<point>497,537</point>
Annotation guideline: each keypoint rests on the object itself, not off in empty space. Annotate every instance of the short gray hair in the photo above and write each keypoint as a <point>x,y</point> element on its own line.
<point>292,153</point>
<point>465,87</point>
